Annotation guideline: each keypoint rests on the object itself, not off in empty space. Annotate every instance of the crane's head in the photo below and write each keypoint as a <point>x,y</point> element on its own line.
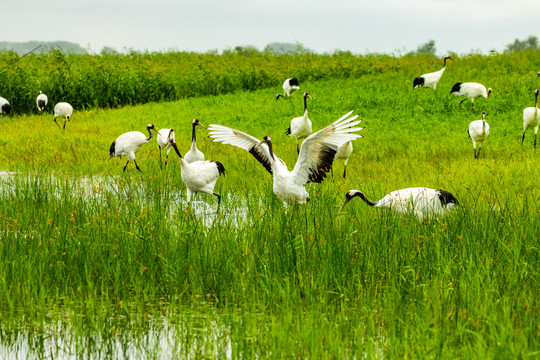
<point>306,96</point>
<point>151,127</point>
<point>349,196</point>
<point>266,140</point>
<point>197,122</point>
<point>537,92</point>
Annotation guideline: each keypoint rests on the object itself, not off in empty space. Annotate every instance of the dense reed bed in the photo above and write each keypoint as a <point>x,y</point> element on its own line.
<point>105,263</point>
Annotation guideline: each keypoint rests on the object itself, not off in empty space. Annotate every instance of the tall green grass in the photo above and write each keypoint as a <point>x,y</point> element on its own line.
<point>105,260</point>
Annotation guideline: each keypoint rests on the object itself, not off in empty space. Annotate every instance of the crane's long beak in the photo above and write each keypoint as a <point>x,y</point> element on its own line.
<point>343,205</point>
<point>201,125</point>
<point>260,143</point>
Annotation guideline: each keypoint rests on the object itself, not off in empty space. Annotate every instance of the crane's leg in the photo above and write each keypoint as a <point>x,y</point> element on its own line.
<point>218,200</point>
<point>479,149</point>
<point>137,166</point>
<point>461,102</point>
<point>160,163</point>
<point>345,169</point>
<point>297,147</point>
<point>125,166</point>
<point>65,124</point>
<point>56,123</point>
<point>535,133</point>
<point>523,137</point>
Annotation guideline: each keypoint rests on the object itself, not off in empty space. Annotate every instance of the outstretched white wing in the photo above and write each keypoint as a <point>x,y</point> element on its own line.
<point>229,136</point>
<point>318,150</point>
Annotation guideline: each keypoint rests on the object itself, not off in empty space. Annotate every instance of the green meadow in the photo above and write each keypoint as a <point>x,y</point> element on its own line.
<point>98,263</point>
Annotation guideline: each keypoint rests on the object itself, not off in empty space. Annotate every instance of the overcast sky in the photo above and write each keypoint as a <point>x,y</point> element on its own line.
<point>374,26</point>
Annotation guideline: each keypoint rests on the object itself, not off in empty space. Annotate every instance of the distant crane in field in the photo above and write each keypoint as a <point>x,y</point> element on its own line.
<point>531,118</point>
<point>314,160</point>
<point>128,144</point>
<point>478,132</point>
<point>41,102</point>
<point>194,154</point>
<point>300,127</point>
<point>423,202</point>
<point>5,107</point>
<point>163,137</point>
<point>199,176</point>
<point>344,153</point>
<point>471,91</point>
<point>289,88</point>
<point>431,79</point>
<point>63,109</point>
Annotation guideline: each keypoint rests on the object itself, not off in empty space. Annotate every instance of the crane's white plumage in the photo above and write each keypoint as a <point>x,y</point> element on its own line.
<point>290,86</point>
<point>300,127</point>
<point>531,118</point>
<point>344,153</point>
<point>431,79</point>
<point>471,91</point>
<point>163,139</point>
<point>421,201</point>
<point>199,176</point>
<point>63,109</point>
<point>5,107</point>
<point>194,154</point>
<point>129,143</point>
<point>478,131</point>
<point>314,160</point>
<point>41,101</point>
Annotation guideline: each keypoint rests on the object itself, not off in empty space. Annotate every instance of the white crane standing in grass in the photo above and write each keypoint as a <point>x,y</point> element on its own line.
<point>300,127</point>
<point>478,132</point>
<point>290,86</point>
<point>163,137</point>
<point>531,118</point>
<point>63,109</point>
<point>5,107</point>
<point>471,91</point>
<point>41,102</point>
<point>344,153</point>
<point>423,202</point>
<point>431,79</point>
<point>199,176</point>
<point>194,154</point>
<point>314,160</point>
<point>128,144</point>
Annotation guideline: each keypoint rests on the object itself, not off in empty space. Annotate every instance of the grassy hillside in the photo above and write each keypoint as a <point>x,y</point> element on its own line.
<point>106,260</point>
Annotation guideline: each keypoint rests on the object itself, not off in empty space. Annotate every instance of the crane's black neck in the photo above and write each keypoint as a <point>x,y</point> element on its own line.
<point>305,103</point>
<point>176,149</point>
<point>536,100</point>
<point>193,135</point>
<point>269,142</point>
<point>361,196</point>
<point>149,132</point>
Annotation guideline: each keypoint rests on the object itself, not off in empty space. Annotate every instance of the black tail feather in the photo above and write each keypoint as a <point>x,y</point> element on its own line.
<point>112,150</point>
<point>220,167</point>
<point>288,131</point>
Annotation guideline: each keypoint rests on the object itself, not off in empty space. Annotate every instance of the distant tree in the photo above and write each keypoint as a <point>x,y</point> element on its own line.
<point>287,48</point>
<point>107,50</point>
<point>427,48</point>
<point>530,43</point>
<point>247,50</point>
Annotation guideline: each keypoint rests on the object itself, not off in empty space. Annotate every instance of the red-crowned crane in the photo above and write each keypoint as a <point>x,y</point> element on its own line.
<point>163,137</point>
<point>300,127</point>
<point>129,143</point>
<point>421,201</point>
<point>63,109</point>
<point>314,160</point>
<point>290,86</point>
<point>471,91</point>
<point>431,79</point>
<point>531,118</point>
<point>5,107</point>
<point>41,102</point>
<point>194,154</point>
<point>199,176</point>
<point>478,132</point>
